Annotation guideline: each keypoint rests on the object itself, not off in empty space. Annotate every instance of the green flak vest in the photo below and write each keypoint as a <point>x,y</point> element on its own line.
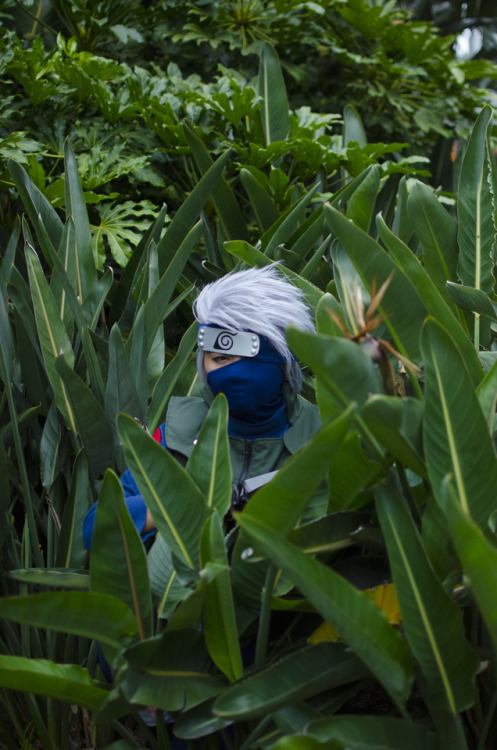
<point>186,415</point>
<point>184,419</point>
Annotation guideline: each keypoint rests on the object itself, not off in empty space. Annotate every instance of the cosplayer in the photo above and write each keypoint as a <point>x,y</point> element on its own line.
<point>243,353</point>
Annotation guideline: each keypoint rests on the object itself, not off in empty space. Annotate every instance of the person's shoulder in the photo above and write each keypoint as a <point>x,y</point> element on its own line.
<point>304,426</point>
<point>185,416</point>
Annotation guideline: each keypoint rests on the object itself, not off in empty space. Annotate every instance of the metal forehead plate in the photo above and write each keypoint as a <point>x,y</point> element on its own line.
<point>237,343</point>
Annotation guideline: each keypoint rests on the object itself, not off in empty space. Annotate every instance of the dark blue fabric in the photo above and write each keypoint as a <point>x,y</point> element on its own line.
<point>253,386</point>
<point>134,502</point>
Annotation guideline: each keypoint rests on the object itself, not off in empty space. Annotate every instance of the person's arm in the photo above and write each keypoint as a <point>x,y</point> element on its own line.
<point>140,514</point>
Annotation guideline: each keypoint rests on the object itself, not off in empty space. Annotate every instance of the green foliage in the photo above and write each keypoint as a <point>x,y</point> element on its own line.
<point>404,377</point>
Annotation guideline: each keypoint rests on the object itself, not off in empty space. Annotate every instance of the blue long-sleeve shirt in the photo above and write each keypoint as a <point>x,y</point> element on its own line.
<point>133,498</point>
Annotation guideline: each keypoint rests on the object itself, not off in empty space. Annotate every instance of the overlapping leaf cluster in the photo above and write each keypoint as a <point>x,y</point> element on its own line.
<point>217,630</point>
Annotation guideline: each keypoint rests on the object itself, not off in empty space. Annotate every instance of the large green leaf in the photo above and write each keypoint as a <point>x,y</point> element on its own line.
<point>374,733</point>
<point>157,304</point>
<point>65,682</point>
<point>474,208</point>
<point>287,224</point>
<point>175,501</point>
<point>167,381</point>
<point>477,555</point>
<point>80,261</point>
<point>223,197</point>
<point>280,503</point>
<point>67,297</point>
<point>219,620</point>
<point>431,621</point>
<point>118,563</point>
<point>90,421</point>
<point>475,212</point>
<point>435,305</point>
<point>51,332</point>
<point>188,213</point>
<point>360,208</point>
<point>8,259</point>
<point>401,306</point>
<point>437,230</point>
<point>300,675</point>
<point>49,445</point>
<point>136,353</point>
<point>209,463</point>
<point>199,722</point>
<point>62,578</point>
<point>262,203</point>
<point>120,392</point>
<point>42,215</point>
<point>362,625</point>
<point>353,128</point>
<point>351,471</point>
<point>171,672</point>
<point>98,616</point>
<point>342,367</point>
<point>398,424</point>
<point>456,436</point>
<point>71,552</point>
<point>275,114</point>
<point>6,344</point>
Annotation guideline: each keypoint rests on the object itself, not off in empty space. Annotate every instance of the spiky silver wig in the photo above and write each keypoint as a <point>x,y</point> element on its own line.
<point>261,300</point>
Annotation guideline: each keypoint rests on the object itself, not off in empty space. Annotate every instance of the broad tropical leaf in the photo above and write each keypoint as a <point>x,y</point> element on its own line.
<point>118,563</point>
<point>437,230</point>
<point>275,114</point>
<point>65,682</point>
<point>374,733</point>
<point>219,620</point>
<point>81,264</point>
<point>188,213</point>
<point>296,677</point>
<point>431,620</point>
<point>51,332</point>
<point>478,556</point>
<point>401,307</point>
<point>168,379</point>
<point>362,625</point>
<point>89,614</point>
<point>223,197</point>
<point>90,421</point>
<point>209,463</point>
<point>435,305</point>
<point>171,672</point>
<point>175,501</point>
<point>456,436</point>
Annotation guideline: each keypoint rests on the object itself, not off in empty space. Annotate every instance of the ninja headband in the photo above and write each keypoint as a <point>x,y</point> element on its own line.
<point>237,343</point>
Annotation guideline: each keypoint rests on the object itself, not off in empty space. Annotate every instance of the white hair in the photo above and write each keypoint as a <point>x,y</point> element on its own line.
<point>261,300</point>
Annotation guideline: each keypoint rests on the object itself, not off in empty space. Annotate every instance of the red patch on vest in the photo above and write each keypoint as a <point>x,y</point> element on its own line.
<point>157,435</point>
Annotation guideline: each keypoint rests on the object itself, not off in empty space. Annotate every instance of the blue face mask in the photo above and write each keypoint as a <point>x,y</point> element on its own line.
<point>252,387</point>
